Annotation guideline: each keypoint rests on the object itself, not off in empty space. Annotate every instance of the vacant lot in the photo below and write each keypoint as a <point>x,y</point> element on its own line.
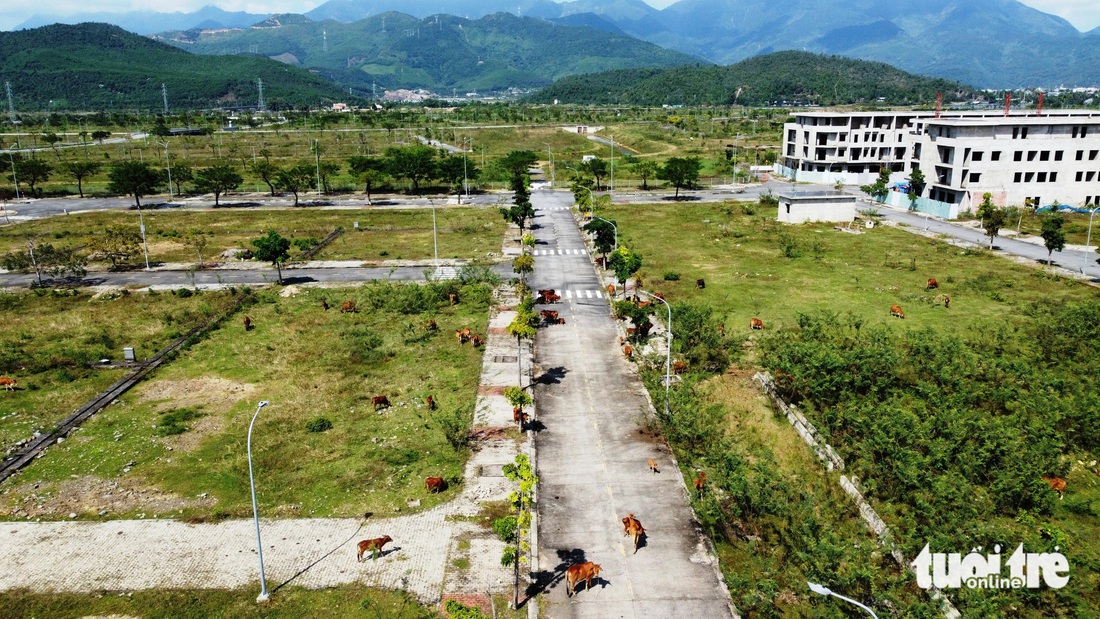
<point>175,445</point>
<point>464,232</point>
<point>53,340</point>
<point>948,417</point>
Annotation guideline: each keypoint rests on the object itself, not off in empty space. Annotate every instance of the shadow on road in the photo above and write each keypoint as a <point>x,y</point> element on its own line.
<point>553,376</point>
<point>301,279</point>
<point>544,580</point>
<point>305,569</point>
<point>682,198</point>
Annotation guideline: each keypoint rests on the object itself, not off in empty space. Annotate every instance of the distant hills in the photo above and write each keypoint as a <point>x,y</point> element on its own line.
<point>779,78</point>
<point>989,43</point>
<point>443,53</point>
<point>103,67</point>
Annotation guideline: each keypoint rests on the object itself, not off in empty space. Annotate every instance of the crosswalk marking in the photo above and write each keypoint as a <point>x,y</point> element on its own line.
<point>445,273</point>
<point>582,294</point>
<point>560,252</point>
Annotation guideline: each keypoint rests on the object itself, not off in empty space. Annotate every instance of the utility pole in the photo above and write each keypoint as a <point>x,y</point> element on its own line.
<point>164,95</point>
<point>260,85</point>
<point>11,105</point>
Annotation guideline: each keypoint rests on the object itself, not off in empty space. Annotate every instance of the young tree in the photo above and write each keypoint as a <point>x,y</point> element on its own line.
<point>917,183</point>
<point>682,172</point>
<point>519,162</point>
<point>597,167</point>
<point>645,170</point>
<point>217,179</point>
<point>133,178</point>
<point>100,135</point>
<point>327,170</point>
<point>369,171</point>
<point>1054,237</point>
<point>32,172</point>
<point>880,188</point>
<point>723,167</point>
<point>625,263</point>
<point>993,218</point>
<point>268,173</point>
<point>295,180</point>
<point>416,163</point>
<point>524,264</point>
<point>53,140</point>
<point>198,241</point>
<point>45,258</point>
<point>117,244</point>
<point>80,170</point>
<point>181,173</point>
<point>273,248</point>
<point>604,235</point>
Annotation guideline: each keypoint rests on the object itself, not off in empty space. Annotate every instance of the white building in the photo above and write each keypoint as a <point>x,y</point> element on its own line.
<point>963,155</point>
<point>800,206</point>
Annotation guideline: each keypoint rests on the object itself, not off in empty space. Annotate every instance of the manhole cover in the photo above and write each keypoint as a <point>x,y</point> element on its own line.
<point>492,470</point>
<point>505,359</point>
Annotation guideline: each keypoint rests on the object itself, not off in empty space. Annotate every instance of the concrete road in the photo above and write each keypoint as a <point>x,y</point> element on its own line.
<point>592,458</point>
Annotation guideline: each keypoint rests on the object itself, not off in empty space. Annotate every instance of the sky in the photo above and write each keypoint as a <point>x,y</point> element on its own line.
<point>1084,14</point>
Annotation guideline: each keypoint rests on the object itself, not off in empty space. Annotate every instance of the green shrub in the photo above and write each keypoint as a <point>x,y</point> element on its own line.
<point>457,610</point>
<point>672,276</point>
<point>172,423</point>
<point>318,424</point>
<point>454,427</point>
<point>183,293</point>
<point>506,527</point>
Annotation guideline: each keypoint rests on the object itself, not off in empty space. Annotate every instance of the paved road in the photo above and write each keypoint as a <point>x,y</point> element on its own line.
<point>592,460</point>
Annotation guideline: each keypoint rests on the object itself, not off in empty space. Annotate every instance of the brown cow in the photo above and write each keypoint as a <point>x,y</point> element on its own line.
<point>431,403</point>
<point>561,321</point>
<point>611,290</point>
<point>700,284</point>
<point>581,571</point>
<point>324,305</point>
<point>653,466</point>
<point>895,310</point>
<point>628,351</point>
<point>659,296</point>
<point>756,324</point>
<point>946,302</point>
<point>633,527</point>
<point>476,340</point>
<point>932,284</point>
<point>453,297</point>
<point>549,317</point>
<point>463,335</point>
<point>431,325</point>
<point>247,323</point>
<point>722,329</point>
<point>699,482</point>
<point>374,546</point>
<point>7,383</point>
<point>434,484</point>
<point>679,367</point>
<point>520,417</point>
<point>347,307</point>
<point>1058,485</point>
<point>380,401</point>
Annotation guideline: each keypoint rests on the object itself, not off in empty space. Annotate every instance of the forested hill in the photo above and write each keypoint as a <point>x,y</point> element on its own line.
<point>102,67</point>
<point>778,78</point>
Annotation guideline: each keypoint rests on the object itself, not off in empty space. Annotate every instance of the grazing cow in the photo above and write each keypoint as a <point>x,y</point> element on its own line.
<point>380,401</point>
<point>374,546</point>
<point>895,310</point>
<point>699,482</point>
<point>642,304</point>
<point>553,298</point>
<point>476,340</point>
<point>431,325</point>
<point>722,329</point>
<point>7,383</point>
<point>659,296</point>
<point>453,297</point>
<point>434,484</point>
<point>631,331</point>
<point>247,323</point>
<point>550,317</point>
<point>561,321</point>
<point>463,335</point>
<point>520,417</point>
<point>679,367</point>
<point>700,284</point>
<point>347,307</point>
<point>633,527</point>
<point>1058,485</point>
<point>756,324</point>
<point>611,290</point>
<point>653,466</point>
<point>932,284</point>
<point>324,305</point>
<point>946,301</point>
<point>431,403</point>
<point>628,351</point>
<point>581,571</point>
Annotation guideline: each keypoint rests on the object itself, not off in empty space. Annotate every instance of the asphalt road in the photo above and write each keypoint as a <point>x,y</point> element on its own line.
<point>592,459</point>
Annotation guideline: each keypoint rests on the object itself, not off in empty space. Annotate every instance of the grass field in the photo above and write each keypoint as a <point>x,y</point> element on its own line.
<point>181,433</point>
<point>755,268</point>
<point>337,603</point>
<point>384,234</point>
<point>52,341</point>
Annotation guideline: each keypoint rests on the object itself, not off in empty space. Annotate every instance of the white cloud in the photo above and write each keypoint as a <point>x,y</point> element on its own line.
<point>1084,14</point>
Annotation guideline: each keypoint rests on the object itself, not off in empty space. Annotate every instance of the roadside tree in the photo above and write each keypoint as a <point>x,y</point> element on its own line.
<point>992,217</point>
<point>80,170</point>
<point>624,263</point>
<point>273,248</point>
<point>1054,236</point>
<point>415,163</point>
<point>295,180</point>
<point>133,178</point>
<point>268,173</point>
<point>117,244</point>
<point>370,171</point>
<point>682,172</point>
<point>217,179</point>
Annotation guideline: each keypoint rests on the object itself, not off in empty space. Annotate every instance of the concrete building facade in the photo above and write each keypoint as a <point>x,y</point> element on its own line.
<point>797,207</point>
<point>1018,159</point>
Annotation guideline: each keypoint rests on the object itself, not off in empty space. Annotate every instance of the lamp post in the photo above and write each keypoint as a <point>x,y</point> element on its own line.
<point>612,192</point>
<point>435,234</point>
<point>551,153</point>
<point>144,243</point>
<point>168,161</point>
<point>613,228</point>
<point>13,177</point>
<point>1088,243</point>
<point>317,155</point>
<point>465,179</point>
<point>255,511</point>
<point>668,351</point>
<point>823,590</point>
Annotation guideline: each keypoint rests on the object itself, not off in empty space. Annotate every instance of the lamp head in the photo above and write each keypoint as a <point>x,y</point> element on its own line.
<point>263,403</point>
<point>819,589</point>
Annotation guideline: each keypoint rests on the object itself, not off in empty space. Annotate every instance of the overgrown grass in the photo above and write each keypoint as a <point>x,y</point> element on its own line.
<point>338,602</point>
<point>464,232</point>
<point>53,339</point>
<point>307,362</point>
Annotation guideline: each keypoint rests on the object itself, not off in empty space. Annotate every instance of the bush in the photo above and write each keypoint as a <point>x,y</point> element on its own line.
<point>318,424</point>
<point>506,528</point>
<point>457,610</point>
<point>455,429</point>
<point>672,276</point>
<point>183,293</point>
<point>172,422</point>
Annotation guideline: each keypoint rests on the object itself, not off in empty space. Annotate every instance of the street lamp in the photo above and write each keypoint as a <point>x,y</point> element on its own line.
<point>144,243</point>
<point>668,351</point>
<point>612,192</point>
<point>551,153</point>
<point>13,178</point>
<point>613,228</point>
<point>465,179</point>
<point>1088,243</point>
<point>255,512</point>
<point>823,590</point>
<point>168,160</point>
<point>435,234</point>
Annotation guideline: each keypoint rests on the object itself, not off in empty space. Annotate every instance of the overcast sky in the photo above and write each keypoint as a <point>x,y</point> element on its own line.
<point>1084,14</point>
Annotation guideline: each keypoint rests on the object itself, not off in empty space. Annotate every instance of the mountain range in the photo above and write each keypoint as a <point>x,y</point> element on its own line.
<point>989,43</point>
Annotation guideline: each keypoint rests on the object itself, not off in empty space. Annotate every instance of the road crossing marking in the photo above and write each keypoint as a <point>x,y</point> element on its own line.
<point>560,252</point>
<point>583,294</point>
